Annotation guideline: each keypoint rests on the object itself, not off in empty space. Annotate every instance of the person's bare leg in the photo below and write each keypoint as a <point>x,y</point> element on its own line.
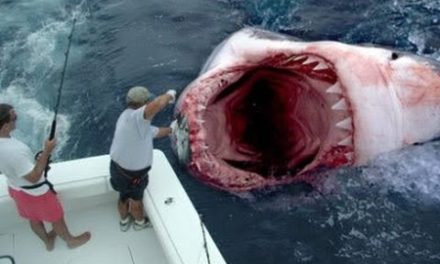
<point>61,230</point>
<point>125,219</point>
<point>138,213</point>
<point>137,209</point>
<point>123,207</point>
<point>40,231</point>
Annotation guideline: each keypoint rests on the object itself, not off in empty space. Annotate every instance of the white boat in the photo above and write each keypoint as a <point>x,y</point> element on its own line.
<point>89,202</point>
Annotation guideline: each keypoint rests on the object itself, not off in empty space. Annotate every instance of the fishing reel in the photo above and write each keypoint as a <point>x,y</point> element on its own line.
<point>49,160</point>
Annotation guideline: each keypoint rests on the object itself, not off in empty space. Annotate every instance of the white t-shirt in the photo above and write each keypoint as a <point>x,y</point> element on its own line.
<point>132,146</point>
<point>16,161</point>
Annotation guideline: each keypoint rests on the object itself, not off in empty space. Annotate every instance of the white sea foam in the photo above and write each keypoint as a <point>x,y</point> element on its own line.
<point>34,120</point>
<point>414,172</point>
<point>31,65</point>
<point>417,37</point>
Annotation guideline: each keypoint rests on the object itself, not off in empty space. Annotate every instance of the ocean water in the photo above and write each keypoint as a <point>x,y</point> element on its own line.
<point>384,212</point>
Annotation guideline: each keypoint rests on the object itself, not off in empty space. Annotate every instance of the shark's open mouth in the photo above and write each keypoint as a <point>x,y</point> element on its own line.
<point>252,125</point>
<point>269,109</point>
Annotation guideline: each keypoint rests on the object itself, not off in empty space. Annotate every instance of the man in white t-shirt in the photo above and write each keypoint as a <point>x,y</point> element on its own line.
<point>131,153</point>
<point>34,198</point>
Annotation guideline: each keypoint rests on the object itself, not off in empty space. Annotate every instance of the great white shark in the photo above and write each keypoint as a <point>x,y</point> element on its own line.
<point>269,109</point>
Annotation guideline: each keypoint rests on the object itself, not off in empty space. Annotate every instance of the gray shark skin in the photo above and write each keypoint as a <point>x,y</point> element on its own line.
<point>269,109</point>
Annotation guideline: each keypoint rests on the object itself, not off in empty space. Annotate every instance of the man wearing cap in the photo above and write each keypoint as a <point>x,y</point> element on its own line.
<point>34,199</point>
<point>131,153</point>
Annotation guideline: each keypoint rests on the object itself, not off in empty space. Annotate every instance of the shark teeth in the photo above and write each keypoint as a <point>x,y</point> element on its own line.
<point>200,121</point>
<point>335,88</point>
<point>201,107</point>
<point>340,105</point>
<point>310,60</point>
<point>301,58</point>
<point>348,141</point>
<point>320,66</point>
<point>349,156</point>
<point>345,124</point>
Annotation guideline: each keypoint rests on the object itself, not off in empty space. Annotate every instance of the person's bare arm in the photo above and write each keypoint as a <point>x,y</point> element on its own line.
<point>36,173</point>
<point>158,104</point>
<point>163,132</point>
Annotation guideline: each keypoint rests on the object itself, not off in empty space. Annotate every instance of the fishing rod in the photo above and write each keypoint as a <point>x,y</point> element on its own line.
<point>63,73</point>
<point>57,105</point>
<point>54,122</point>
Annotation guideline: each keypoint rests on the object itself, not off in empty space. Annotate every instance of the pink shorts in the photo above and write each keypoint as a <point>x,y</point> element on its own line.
<point>45,207</point>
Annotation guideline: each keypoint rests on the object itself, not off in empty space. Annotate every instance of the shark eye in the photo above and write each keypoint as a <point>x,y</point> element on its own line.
<point>394,55</point>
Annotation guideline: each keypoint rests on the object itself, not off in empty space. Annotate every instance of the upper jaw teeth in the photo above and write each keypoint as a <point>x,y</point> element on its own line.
<point>335,89</point>
<point>348,141</point>
<point>340,105</point>
<point>313,62</point>
<point>345,124</point>
<point>320,66</point>
<point>319,63</point>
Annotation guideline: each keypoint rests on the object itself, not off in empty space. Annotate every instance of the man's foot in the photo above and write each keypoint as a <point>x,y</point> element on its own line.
<point>50,244</point>
<point>80,240</point>
<point>139,225</point>
<point>124,224</point>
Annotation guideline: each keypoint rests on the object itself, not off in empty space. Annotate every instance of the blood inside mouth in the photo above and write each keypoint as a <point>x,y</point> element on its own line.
<point>271,122</point>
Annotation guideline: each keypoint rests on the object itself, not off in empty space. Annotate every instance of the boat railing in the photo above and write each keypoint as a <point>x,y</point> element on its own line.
<point>7,257</point>
<point>176,223</point>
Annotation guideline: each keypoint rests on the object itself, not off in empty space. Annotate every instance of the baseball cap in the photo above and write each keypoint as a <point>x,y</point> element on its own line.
<point>138,95</point>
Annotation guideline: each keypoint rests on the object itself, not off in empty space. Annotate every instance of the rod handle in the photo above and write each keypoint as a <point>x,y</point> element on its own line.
<point>52,129</point>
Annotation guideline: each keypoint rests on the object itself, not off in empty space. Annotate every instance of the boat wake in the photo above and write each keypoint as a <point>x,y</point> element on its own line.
<point>30,64</point>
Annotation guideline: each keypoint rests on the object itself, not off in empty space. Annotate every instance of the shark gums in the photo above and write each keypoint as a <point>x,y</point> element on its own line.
<point>269,109</point>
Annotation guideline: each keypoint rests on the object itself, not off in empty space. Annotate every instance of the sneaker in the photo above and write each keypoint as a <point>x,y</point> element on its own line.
<point>124,224</point>
<point>142,225</point>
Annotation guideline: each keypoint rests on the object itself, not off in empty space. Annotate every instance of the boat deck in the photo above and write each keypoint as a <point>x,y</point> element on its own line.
<point>108,244</point>
<point>90,204</point>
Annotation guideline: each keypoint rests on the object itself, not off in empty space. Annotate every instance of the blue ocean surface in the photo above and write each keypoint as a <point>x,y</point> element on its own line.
<point>385,212</point>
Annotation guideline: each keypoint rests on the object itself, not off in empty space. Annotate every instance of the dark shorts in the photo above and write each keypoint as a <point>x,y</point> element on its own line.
<point>129,184</point>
